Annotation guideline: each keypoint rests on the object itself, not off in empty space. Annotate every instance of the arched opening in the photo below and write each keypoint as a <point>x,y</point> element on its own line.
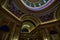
<point>4,28</point>
<point>27,26</point>
<point>53,32</point>
<point>54,35</point>
<point>24,30</point>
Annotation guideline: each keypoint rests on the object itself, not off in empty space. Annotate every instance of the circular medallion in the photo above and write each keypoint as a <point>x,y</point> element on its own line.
<point>36,5</point>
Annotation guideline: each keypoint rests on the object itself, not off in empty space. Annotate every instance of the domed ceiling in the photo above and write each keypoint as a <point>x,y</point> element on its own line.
<point>43,10</point>
<point>32,13</point>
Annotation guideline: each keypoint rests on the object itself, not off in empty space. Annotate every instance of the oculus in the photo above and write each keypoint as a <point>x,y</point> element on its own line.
<point>36,5</point>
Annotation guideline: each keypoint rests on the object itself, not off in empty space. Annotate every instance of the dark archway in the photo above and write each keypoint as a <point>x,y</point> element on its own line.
<point>4,28</point>
<point>53,32</point>
<point>24,30</point>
